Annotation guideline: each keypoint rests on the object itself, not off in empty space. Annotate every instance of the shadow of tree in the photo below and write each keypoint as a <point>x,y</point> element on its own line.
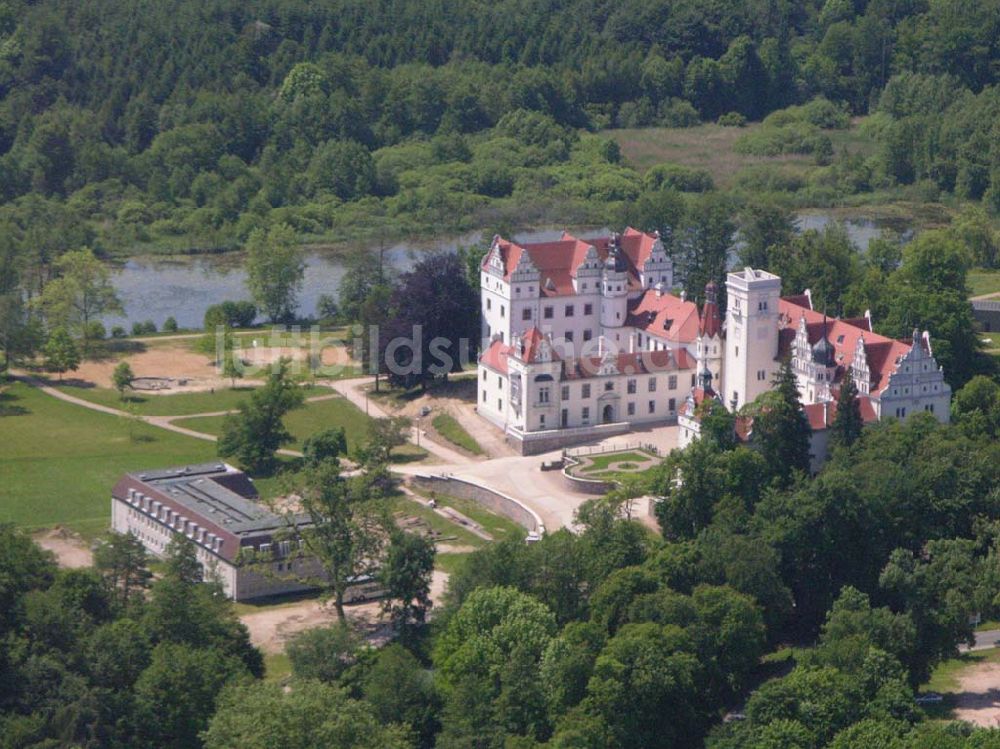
<point>113,347</point>
<point>9,405</point>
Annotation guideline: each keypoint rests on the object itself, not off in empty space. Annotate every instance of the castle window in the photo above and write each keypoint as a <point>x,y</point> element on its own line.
<point>652,407</point>
<point>489,303</point>
<point>671,383</point>
<point>672,405</point>
<point>737,351</point>
<point>588,309</point>
<point>502,310</point>
<point>565,392</point>
<point>543,395</point>
<point>484,396</point>
<point>569,310</point>
<point>609,386</point>
<point>652,384</point>
<point>694,379</point>
<point>762,375</point>
<point>588,334</point>
<point>569,336</point>
<point>630,387</point>
<point>585,391</point>
<point>526,313</point>
<point>631,409</point>
<point>499,404</point>
<point>547,313</point>
<point>586,413</point>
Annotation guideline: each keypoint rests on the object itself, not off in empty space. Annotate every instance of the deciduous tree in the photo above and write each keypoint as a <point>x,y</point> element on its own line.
<point>275,270</point>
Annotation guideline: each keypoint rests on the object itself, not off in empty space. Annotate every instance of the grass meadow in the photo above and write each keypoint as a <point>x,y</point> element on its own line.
<point>58,461</point>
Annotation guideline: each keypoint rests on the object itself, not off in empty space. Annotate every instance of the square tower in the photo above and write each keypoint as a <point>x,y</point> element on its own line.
<point>751,335</point>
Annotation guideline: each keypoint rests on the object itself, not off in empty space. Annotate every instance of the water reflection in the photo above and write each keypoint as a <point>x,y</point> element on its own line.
<point>155,288</point>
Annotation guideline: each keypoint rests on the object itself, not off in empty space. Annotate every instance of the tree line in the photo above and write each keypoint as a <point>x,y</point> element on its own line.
<point>409,116</point>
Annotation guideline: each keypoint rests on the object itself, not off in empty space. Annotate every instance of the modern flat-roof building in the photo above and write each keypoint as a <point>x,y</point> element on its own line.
<point>215,505</point>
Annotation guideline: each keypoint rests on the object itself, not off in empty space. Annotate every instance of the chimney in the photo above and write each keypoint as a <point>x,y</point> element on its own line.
<point>631,344</point>
<point>684,295</point>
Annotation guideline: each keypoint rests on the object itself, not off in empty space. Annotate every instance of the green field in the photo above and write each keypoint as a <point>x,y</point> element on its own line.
<point>984,281</point>
<point>304,422</point>
<point>58,462</point>
<point>448,427</point>
<point>175,404</point>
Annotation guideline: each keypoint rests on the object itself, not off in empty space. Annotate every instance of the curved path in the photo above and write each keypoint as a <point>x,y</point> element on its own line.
<point>518,476</point>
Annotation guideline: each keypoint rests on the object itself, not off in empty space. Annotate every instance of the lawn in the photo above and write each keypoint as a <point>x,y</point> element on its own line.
<point>304,422</point>
<point>58,461</point>
<point>175,404</point>
<point>448,427</point>
<point>277,666</point>
<point>603,462</point>
<point>984,281</point>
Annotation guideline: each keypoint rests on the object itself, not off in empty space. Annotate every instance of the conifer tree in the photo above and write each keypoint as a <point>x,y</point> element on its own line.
<point>847,424</point>
<point>780,428</point>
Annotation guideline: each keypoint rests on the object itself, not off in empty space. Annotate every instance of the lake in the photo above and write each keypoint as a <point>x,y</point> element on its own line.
<point>184,286</point>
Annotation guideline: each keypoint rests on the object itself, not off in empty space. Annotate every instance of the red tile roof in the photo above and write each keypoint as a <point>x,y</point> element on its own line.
<point>495,357</point>
<point>531,344</point>
<point>639,362</point>
<point>711,321</point>
<point>821,415</point>
<point>665,316</point>
<point>882,352</point>
<point>558,261</point>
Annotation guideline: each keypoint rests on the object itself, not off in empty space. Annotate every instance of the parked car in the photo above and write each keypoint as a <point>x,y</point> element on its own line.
<point>929,698</point>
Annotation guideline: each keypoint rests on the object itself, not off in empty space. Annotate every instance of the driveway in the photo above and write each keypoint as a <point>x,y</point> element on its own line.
<point>985,640</point>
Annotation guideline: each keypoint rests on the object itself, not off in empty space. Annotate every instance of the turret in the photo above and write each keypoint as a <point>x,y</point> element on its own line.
<point>614,287</point>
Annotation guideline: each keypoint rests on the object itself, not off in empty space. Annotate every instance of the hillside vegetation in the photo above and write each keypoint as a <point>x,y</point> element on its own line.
<point>183,125</point>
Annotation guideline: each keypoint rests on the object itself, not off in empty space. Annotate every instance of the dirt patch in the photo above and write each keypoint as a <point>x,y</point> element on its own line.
<point>177,362</point>
<point>272,627</point>
<point>978,698</point>
<point>70,549</point>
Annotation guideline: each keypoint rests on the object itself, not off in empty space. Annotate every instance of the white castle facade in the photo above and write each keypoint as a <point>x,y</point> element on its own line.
<point>582,339</point>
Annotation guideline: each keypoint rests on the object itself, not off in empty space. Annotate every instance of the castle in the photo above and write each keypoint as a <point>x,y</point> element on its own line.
<point>583,339</point>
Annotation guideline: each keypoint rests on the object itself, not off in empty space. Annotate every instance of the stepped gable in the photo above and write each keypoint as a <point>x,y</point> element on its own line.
<point>558,260</point>
<point>882,353</point>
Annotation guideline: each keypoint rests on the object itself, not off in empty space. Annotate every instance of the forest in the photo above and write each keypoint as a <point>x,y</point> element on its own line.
<point>184,125</point>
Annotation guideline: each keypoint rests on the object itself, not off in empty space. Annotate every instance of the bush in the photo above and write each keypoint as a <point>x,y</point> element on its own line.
<point>118,331</point>
<point>768,178</point>
<point>732,119</point>
<point>820,112</point>
<point>230,314</point>
<point>170,325</point>
<point>95,331</point>
<point>678,113</point>
<point>682,178</point>
<point>795,137</point>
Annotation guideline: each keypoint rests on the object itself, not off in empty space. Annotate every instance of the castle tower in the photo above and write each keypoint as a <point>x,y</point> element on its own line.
<point>710,347</point>
<point>751,335</point>
<point>614,292</point>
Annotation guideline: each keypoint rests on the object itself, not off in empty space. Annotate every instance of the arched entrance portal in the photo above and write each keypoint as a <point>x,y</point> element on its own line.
<point>608,415</point>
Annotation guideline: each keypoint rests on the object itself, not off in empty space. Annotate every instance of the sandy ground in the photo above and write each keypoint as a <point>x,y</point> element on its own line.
<point>178,361</point>
<point>272,627</point>
<point>71,551</point>
<point>978,698</point>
